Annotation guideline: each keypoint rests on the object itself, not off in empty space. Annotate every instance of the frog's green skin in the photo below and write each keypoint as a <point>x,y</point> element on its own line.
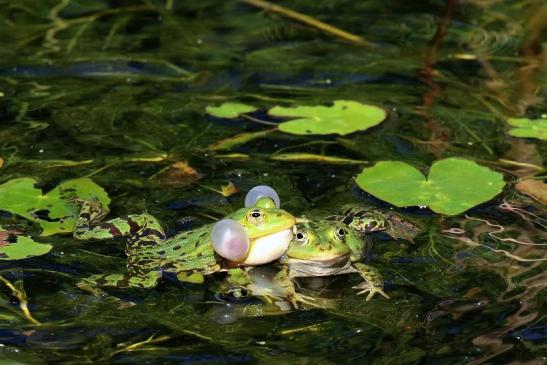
<point>365,220</point>
<point>326,248</point>
<point>188,254</point>
<point>321,248</point>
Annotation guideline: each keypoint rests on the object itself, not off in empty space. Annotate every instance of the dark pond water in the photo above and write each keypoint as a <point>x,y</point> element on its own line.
<point>116,91</point>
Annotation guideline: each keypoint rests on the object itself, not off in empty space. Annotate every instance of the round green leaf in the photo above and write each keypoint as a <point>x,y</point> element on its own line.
<point>453,186</point>
<point>15,247</point>
<point>229,110</point>
<point>54,211</point>
<point>528,128</point>
<point>343,117</point>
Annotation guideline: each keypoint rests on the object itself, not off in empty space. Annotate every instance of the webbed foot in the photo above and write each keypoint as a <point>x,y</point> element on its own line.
<point>373,284</point>
<point>367,287</point>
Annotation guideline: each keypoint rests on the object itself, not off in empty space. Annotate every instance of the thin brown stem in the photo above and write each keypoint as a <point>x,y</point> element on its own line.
<point>308,20</point>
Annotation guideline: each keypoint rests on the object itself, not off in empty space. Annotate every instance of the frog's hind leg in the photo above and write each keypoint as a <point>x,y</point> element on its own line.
<point>373,284</point>
<point>120,281</point>
<point>142,229</point>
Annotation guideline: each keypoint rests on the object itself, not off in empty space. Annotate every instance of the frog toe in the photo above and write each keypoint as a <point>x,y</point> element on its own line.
<point>365,287</point>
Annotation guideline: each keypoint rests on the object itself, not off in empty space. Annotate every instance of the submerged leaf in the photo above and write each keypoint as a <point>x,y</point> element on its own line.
<point>536,189</point>
<point>311,157</point>
<point>179,174</point>
<point>528,128</point>
<point>238,139</point>
<point>453,186</point>
<point>229,189</point>
<point>229,110</point>
<point>16,247</point>
<point>54,211</point>
<point>343,117</point>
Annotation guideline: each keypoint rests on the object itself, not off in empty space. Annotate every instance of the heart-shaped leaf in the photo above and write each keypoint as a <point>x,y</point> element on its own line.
<point>343,117</point>
<point>528,128</point>
<point>229,110</point>
<point>54,211</point>
<point>453,185</point>
<point>16,247</point>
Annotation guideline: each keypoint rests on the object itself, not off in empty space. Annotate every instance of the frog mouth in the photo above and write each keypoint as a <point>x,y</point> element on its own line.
<point>269,247</point>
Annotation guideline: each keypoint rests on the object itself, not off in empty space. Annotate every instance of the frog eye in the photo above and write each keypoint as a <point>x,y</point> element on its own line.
<point>256,216</point>
<point>340,233</point>
<point>230,240</point>
<point>261,191</point>
<point>301,237</point>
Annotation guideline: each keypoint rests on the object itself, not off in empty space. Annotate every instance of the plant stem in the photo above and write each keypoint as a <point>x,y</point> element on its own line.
<point>308,20</point>
<point>23,303</point>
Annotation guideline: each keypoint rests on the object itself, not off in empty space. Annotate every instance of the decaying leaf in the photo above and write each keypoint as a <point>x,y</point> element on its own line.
<point>179,174</point>
<point>229,189</point>
<point>14,246</point>
<point>536,189</point>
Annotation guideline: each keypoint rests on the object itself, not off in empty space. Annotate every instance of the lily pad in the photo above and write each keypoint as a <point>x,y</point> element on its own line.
<point>528,128</point>
<point>16,247</point>
<point>229,110</point>
<point>54,211</point>
<point>453,185</point>
<point>343,117</point>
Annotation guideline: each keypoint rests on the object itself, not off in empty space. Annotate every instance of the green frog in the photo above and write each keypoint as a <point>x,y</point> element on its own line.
<point>320,248</point>
<point>366,220</point>
<point>190,254</point>
<point>325,248</point>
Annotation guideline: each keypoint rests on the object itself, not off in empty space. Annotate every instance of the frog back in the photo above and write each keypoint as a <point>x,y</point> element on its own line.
<point>189,250</point>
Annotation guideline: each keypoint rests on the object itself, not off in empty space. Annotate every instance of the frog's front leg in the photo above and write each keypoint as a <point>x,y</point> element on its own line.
<point>373,281</point>
<point>142,229</point>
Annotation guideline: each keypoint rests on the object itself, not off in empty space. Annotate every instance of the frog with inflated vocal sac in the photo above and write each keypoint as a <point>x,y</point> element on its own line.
<point>254,235</point>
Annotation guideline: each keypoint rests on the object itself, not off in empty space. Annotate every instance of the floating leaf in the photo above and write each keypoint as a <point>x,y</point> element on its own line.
<point>536,189</point>
<point>229,110</point>
<point>311,157</point>
<point>54,211</point>
<point>528,128</point>
<point>238,139</point>
<point>343,117</point>
<point>453,185</point>
<point>13,246</point>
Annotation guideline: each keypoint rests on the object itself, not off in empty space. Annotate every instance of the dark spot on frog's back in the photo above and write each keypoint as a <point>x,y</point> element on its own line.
<point>133,226</point>
<point>178,247</point>
<point>114,231</point>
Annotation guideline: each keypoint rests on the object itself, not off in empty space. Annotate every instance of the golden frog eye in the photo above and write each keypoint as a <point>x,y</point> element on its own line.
<point>301,238</point>
<point>340,233</point>
<point>256,216</point>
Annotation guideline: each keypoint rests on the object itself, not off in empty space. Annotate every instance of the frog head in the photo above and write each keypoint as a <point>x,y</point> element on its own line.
<point>254,235</point>
<point>325,240</point>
